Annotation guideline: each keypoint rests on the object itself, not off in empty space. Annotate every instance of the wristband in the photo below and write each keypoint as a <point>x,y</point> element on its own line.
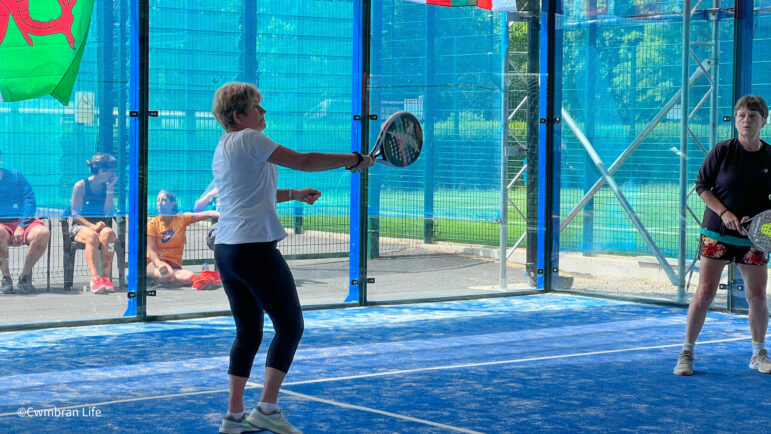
<point>721,214</point>
<point>357,163</point>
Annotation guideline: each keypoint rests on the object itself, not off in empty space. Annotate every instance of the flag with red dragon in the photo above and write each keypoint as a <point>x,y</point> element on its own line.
<point>490,5</point>
<point>41,45</point>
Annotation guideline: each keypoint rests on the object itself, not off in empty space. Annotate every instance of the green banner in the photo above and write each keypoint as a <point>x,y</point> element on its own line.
<point>41,45</point>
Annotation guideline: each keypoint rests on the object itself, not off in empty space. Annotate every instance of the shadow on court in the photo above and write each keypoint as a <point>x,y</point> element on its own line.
<point>522,364</point>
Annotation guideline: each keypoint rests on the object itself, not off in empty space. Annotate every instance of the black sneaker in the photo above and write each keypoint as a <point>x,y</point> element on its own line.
<point>7,285</point>
<point>25,284</point>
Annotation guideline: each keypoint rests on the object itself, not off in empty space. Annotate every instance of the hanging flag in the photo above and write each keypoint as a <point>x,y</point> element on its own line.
<point>498,5</point>
<point>446,2</point>
<point>490,5</point>
<point>41,45</point>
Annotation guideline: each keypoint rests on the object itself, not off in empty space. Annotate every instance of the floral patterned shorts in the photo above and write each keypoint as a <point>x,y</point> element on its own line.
<point>730,253</point>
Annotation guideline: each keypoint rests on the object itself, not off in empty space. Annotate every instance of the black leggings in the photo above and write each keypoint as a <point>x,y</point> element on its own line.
<point>257,279</point>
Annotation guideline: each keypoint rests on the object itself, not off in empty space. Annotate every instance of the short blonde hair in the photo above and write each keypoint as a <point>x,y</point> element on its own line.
<point>234,98</point>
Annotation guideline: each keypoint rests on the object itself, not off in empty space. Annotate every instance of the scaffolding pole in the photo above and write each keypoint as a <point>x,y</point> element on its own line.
<point>683,226</point>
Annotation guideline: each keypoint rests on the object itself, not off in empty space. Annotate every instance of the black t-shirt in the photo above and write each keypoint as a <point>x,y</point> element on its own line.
<point>741,180</point>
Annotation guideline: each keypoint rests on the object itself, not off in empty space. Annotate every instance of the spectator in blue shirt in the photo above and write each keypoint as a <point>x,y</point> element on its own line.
<point>18,226</point>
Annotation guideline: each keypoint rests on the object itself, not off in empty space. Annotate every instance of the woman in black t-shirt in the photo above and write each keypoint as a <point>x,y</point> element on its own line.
<point>92,208</point>
<point>735,185</point>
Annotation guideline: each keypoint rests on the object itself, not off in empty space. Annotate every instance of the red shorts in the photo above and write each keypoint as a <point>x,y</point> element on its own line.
<point>730,253</point>
<point>11,228</point>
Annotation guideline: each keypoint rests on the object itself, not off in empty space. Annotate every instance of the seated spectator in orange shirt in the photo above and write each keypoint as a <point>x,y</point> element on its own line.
<point>166,241</point>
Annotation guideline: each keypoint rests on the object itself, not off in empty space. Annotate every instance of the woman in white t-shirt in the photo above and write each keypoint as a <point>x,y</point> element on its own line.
<point>255,276</point>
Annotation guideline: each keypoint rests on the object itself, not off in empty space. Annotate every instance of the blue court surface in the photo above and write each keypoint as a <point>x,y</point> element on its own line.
<point>538,363</point>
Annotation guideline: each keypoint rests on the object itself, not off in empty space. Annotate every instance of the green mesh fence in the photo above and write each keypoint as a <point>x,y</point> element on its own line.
<point>620,67</point>
<point>444,65</point>
<point>621,63</point>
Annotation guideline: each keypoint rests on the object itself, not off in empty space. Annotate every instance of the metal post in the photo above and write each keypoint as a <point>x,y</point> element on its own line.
<point>554,162</point>
<point>428,123</point>
<point>683,228</point>
<point>123,104</point>
<point>536,153</point>
<point>713,108</point>
<point>366,22</point>
<point>504,220</point>
<point>137,282</point>
<point>742,78</point>
<point>357,288</point>
<point>590,173</point>
<point>375,179</point>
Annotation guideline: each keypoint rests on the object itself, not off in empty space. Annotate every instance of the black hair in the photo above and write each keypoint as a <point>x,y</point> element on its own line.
<point>101,160</point>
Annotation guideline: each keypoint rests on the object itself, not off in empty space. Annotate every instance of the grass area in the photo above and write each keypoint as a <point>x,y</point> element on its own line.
<point>471,216</point>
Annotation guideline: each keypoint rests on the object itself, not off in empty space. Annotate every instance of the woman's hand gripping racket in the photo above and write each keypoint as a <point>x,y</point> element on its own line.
<point>759,231</point>
<point>400,141</point>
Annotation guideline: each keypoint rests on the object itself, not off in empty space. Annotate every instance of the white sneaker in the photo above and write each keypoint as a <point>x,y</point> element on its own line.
<point>273,422</point>
<point>761,362</point>
<point>684,363</point>
<point>233,426</point>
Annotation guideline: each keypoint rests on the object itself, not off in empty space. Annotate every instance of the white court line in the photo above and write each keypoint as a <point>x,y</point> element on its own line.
<point>120,401</point>
<point>384,413</point>
<point>502,362</point>
<point>382,374</point>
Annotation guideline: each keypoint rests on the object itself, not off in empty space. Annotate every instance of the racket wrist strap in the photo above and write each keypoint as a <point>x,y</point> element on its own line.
<point>357,163</point>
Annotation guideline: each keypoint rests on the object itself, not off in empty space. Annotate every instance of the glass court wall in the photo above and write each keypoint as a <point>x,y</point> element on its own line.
<point>633,230</point>
<point>50,144</point>
<point>434,228</point>
<point>300,58</point>
<point>517,110</point>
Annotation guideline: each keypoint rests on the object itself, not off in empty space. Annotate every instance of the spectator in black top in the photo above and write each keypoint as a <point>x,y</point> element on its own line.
<point>92,208</point>
<point>735,184</point>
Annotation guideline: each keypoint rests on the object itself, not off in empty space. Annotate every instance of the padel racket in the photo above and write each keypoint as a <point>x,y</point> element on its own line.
<point>400,141</point>
<point>759,231</point>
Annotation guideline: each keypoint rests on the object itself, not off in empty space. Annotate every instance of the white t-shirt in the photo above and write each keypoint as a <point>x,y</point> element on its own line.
<point>247,189</point>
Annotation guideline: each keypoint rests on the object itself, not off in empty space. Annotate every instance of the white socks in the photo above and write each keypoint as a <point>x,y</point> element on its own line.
<point>267,407</point>
<point>757,346</point>
<point>236,416</point>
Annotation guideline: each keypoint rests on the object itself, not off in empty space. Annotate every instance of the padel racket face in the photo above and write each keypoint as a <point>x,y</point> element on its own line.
<point>760,231</point>
<point>400,141</point>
